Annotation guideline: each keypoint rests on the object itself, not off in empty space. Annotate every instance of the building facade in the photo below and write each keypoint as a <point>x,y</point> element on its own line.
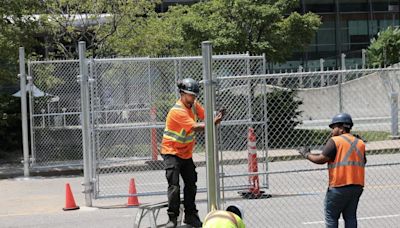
<point>347,27</point>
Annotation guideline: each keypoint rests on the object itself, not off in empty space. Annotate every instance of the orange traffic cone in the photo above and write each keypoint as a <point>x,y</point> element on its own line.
<point>69,199</point>
<point>132,200</point>
<point>254,191</point>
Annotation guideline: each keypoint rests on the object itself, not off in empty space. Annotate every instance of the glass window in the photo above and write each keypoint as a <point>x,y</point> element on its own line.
<point>326,36</point>
<point>381,5</point>
<point>344,35</point>
<point>358,27</point>
<point>353,5</point>
<point>319,6</point>
<point>373,27</point>
<point>326,47</point>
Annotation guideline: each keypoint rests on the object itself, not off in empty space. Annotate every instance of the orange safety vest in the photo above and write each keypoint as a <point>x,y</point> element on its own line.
<point>178,138</point>
<point>349,165</point>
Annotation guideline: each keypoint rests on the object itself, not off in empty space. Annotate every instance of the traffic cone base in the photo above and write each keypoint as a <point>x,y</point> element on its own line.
<point>132,200</point>
<point>69,199</point>
<point>253,195</point>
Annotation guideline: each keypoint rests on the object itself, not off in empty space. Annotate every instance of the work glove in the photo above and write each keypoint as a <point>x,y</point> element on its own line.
<point>304,151</point>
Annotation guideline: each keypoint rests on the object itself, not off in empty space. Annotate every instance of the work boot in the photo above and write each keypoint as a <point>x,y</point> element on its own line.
<point>172,223</point>
<point>193,220</point>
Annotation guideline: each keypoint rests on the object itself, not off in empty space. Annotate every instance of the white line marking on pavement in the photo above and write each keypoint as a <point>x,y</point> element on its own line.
<point>363,218</point>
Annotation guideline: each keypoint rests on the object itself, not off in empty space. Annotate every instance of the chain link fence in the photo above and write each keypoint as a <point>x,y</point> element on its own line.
<point>130,98</point>
<point>56,133</point>
<point>290,110</point>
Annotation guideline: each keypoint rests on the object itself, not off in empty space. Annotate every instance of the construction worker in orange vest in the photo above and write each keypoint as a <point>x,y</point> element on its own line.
<point>345,155</point>
<point>232,217</point>
<point>177,148</point>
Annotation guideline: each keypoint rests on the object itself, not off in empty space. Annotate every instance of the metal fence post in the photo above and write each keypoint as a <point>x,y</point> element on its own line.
<point>340,79</point>
<point>85,117</point>
<point>363,59</point>
<point>394,111</point>
<point>211,153</point>
<point>265,105</point>
<point>31,113</point>
<point>321,68</point>
<point>300,69</point>
<point>24,114</point>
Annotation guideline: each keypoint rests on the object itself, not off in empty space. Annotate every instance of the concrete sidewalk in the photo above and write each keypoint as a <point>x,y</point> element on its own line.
<point>229,157</point>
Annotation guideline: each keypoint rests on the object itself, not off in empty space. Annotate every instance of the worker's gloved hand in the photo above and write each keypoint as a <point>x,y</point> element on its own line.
<point>304,151</point>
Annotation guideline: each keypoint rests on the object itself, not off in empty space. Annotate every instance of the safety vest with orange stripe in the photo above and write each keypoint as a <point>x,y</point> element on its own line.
<point>348,168</point>
<point>179,138</point>
<point>225,219</point>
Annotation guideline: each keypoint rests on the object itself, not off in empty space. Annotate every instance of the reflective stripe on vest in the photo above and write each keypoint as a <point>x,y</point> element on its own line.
<point>179,137</point>
<point>218,215</point>
<point>345,161</point>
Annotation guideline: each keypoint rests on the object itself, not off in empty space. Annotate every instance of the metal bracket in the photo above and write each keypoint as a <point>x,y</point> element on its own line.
<point>89,189</point>
<point>210,82</point>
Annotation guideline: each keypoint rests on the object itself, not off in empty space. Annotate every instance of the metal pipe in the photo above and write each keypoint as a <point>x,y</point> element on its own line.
<point>340,81</point>
<point>85,118</point>
<point>31,113</point>
<point>24,114</point>
<point>209,89</point>
<point>394,111</point>
<point>266,130</point>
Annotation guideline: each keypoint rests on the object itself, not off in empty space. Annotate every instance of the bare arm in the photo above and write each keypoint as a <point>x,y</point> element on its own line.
<point>318,158</point>
<point>200,126</point>
<point>328,153</point>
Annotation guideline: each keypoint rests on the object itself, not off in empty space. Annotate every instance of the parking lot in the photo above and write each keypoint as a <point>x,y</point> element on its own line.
<point>297,199</point>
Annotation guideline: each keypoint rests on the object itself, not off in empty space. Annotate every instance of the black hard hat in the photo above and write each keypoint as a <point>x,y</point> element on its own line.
<point>342,118</point>
<point>236,209</point>
<point>189,85</point>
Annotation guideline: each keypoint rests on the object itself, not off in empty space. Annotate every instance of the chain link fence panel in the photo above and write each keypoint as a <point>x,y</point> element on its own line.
<point>290,110</point>
<point>132,98</point>
<point>56,135</point>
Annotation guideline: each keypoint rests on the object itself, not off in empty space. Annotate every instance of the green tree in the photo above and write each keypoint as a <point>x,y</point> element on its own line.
<point>99,23</point>
<point>17,29</point>
<point>385,49</point>
<point>269,27</point>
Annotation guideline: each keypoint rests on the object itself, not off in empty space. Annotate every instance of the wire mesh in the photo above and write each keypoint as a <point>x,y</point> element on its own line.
<point>290,110</point>
<point>130,99</point>
<point>55,113</point>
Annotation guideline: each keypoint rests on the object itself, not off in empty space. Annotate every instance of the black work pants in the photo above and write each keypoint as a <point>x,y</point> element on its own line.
<point>176,166</point>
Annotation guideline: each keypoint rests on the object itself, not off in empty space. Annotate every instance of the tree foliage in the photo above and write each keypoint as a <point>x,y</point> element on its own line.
<point>385,49</point>
<point>17,29</point>
<point>269,27</point>
<point>99,23</point>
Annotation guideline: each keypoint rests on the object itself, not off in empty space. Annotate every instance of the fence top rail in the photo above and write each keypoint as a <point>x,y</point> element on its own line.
<point>139,59</point>
<point>30,62</point>
<point>217,57</point>
<point>307,74</point>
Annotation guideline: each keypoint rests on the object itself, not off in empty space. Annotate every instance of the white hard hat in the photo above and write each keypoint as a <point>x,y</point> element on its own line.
<point>236,209</point>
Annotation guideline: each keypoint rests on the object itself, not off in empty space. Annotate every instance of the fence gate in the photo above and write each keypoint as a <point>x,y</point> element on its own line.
<point>130,101</point>
<point>54,104</point>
